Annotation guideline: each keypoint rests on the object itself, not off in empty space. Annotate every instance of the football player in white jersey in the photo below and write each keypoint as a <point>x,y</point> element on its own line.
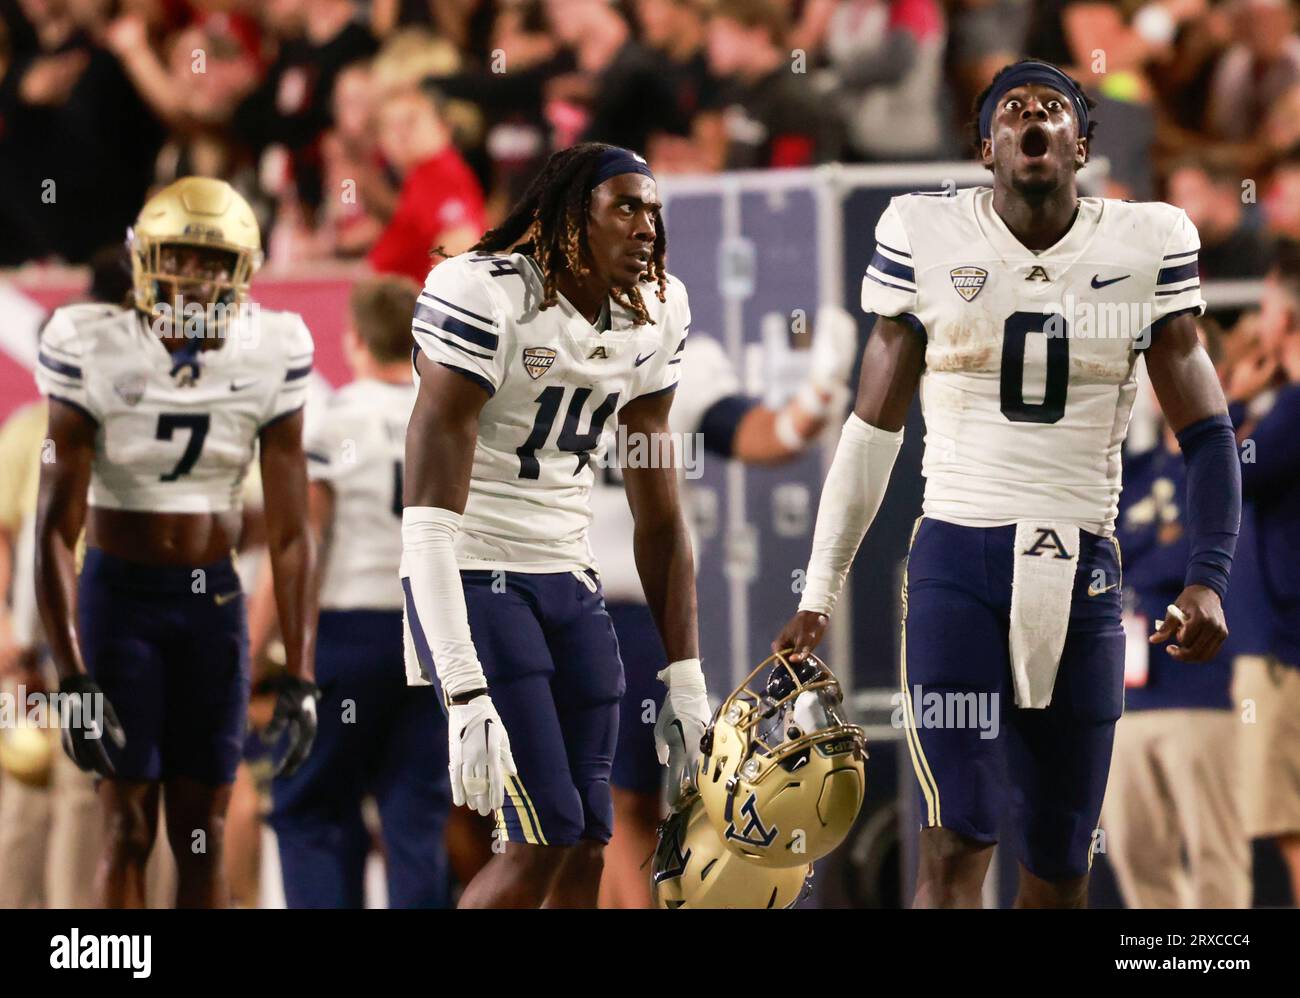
<point>156,412</point>
<point>377,736</point>
<point>559,320</point>
<point>805,389</point>
<point>1022,311</point>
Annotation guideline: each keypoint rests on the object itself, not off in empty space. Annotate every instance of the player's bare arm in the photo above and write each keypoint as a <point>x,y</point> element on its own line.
<point>60,515</point>
<point>440,441</point>
<point>1192,400</point>
<point>661,544</point>
<point>289,540</point>
<point>891,371</point>
<point>662,549</point>
<point>292,550</point>
<point>440,438</point>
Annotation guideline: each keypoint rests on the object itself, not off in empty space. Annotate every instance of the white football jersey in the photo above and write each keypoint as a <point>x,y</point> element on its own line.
<point>162,446</point>
<point>556,383</point>
<point>708,377</point>
<point>1030,357</point>
<point>357,447</point>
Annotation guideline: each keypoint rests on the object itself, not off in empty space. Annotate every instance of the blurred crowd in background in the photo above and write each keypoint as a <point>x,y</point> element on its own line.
<point>388,127</point>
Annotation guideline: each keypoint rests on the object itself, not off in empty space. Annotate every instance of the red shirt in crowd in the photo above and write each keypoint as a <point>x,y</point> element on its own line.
<point>438,196</point>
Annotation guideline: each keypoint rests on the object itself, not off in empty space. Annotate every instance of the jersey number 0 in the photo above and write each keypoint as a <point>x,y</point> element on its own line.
<point>1015,332</point>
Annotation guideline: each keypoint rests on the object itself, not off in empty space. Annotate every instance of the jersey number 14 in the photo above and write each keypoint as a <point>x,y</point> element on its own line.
<point>581,444</point>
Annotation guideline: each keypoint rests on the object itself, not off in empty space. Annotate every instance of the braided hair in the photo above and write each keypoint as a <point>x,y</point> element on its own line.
<point>550,224</point>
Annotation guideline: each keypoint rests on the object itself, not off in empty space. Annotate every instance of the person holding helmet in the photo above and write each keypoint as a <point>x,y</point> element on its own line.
<point>155,413</point>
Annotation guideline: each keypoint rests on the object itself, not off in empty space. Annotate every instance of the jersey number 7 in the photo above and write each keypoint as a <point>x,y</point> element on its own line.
<point>197,424</point>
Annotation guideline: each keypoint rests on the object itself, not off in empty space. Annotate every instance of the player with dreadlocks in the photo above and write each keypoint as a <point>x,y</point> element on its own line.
<point>527,346</point>
<point>547,225</point>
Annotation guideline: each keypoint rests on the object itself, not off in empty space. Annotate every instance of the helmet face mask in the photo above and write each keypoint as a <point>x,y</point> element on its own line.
<point>194,249</point>
<point>692,868</point>
<point>783,776</point>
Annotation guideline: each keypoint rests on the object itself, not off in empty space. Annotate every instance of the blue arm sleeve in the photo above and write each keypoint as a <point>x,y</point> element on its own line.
<point>1213,500</point>
<point>721,421</point>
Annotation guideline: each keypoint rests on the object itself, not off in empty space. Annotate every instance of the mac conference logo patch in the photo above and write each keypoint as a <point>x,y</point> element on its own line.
<point>968,281</point>
<point>538,360</point>
<point>130,388</point>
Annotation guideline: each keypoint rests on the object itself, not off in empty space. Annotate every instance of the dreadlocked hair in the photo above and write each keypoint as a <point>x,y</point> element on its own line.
<point>549,223</point>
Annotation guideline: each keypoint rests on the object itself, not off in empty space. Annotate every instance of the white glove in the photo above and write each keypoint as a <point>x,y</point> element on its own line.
<point>682,721</point>
<point>479,755</point>
<point>784,368</point>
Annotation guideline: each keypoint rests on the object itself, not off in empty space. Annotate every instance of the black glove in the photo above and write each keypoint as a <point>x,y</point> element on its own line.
<point>84,721</point>
<point>295,713</point>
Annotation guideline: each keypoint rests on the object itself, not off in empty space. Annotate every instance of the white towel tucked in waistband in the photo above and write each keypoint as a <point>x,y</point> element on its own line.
<point>1046,556</point>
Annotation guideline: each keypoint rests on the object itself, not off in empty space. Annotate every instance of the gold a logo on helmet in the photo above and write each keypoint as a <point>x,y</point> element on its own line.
<point>538,360</point>
<point>782,777</point>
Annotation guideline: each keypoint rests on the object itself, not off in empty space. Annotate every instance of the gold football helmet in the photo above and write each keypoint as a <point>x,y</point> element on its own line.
<point>693,869</point>
<point>194,211</point>
<point>782,776</point>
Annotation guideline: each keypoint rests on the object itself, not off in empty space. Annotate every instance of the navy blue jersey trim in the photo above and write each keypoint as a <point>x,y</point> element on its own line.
<point>463,311</point>
<point>1181,272</point>
<point>1150,334</point>
<point>70,370</point>
<point>890,284</point>
<point>293,374</point>
<point>887,266</point>
<point>657,392</point>
<point>1179,256</point>
<point>276,419</point>
<point>431,316</point>
<point>462,349</point>
<point>1178,291</point>
<point>896,252</point>
<point>478,379</point>
<point>75,405</point>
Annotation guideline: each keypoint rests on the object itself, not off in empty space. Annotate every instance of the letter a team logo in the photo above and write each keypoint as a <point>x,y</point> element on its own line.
<point>538,360</point>
<point>968,281</point>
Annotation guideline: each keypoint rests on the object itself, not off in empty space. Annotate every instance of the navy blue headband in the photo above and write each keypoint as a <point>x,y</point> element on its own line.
<point>1033,72</point>
<point>616,161</point>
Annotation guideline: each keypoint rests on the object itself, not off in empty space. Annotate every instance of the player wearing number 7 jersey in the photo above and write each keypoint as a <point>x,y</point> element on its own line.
<point>560,320</point>
<point>156,412</point>
<point>1022,312</point>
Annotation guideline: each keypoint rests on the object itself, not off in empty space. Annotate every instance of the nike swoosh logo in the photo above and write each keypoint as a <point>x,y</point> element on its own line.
<point>1094,591</point>
<point>487,742</point>
<point>235,386</point>
<point>1097,285</point>
<point>223,598</point>
<point>641,360</point>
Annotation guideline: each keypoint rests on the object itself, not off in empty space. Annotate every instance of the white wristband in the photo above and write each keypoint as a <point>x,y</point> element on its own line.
<point>430,571</point>
<point>851,496</point>
<point>684,675</point>
<point>789,438</point>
